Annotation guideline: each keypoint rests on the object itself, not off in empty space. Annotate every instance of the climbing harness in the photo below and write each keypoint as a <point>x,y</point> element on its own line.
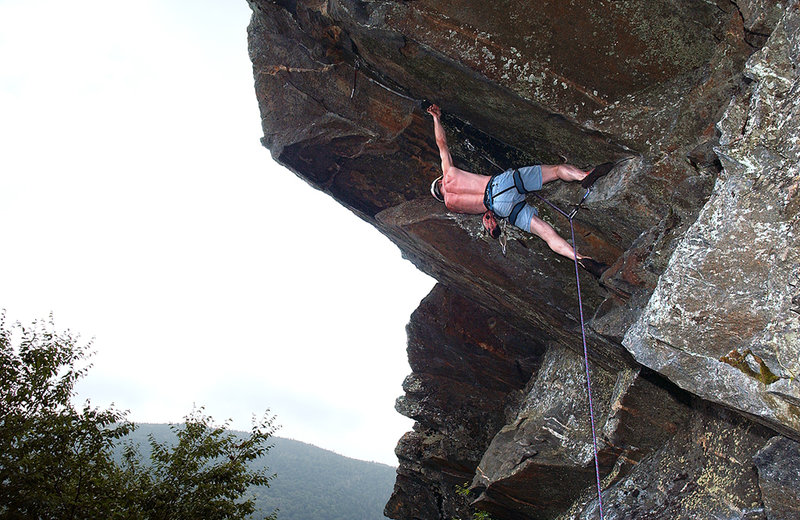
<point>490,223</point>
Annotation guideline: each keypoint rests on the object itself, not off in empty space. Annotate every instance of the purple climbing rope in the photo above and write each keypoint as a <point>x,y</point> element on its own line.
<point>588,379</point>
<point>566,215</point>
<point>585,349</point>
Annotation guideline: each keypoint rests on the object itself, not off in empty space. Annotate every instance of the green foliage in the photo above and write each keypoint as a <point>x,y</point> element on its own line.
<point>54,459</point>
<point>203,474</point>
<point>463,490</point>
<point>57,461</point>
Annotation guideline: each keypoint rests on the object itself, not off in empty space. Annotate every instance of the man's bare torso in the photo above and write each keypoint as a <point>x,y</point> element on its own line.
<point>463,191</point>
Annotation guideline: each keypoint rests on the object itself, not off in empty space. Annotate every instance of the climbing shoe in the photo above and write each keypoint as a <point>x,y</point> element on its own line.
<point>593,267</point>
<point>599,171</point>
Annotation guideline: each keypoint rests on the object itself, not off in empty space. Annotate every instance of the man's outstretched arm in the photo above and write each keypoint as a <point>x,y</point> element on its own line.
<point>441,138</point>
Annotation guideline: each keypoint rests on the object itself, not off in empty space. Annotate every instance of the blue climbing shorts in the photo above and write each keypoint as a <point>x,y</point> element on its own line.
<point>502,195</point>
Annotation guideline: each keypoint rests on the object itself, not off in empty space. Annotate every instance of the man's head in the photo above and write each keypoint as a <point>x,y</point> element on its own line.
<point>436,189</point>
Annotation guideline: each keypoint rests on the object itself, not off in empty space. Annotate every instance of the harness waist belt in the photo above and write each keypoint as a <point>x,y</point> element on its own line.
<point>518,182</point>
<point>487,194</point>
<point>512,218</point>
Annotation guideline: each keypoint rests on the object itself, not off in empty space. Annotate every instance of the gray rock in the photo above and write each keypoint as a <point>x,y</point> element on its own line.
<point>704,471</point>
<point>760,16</point>
<point>778,466</point>
<point>721,322</point>
<point>544,458</point>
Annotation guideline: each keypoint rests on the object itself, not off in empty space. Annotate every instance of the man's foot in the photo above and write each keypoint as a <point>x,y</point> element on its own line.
<point>599,171</point>
<point>592,266</point>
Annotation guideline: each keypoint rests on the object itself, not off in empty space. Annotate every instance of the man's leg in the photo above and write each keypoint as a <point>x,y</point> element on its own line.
<point>564,172</point>
<point>545,231</point>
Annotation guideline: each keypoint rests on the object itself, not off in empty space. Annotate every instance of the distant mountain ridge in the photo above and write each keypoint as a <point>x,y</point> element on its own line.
<point>312,483</point>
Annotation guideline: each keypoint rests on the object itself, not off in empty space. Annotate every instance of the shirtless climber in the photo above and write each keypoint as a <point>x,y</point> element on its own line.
<point>466,192</point>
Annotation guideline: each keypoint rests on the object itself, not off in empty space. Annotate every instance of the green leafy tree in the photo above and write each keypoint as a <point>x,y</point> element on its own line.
<point>205,473</point>
<point>56,460</point>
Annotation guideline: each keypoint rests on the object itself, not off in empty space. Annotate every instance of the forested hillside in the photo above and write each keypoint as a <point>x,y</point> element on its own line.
<point>312,483</point>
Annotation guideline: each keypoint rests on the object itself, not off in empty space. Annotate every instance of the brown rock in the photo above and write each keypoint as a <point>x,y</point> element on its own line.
<point>699,225</point>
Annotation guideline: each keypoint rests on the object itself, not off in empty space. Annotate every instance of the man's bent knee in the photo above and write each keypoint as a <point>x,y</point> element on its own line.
<point>541,229</point>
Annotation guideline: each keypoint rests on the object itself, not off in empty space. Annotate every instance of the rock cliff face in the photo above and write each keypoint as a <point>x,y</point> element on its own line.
<point>694,333</point>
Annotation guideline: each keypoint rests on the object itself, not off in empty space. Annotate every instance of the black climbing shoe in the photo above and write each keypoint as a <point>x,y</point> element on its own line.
<point>599,171</point>
<point>593,267</point>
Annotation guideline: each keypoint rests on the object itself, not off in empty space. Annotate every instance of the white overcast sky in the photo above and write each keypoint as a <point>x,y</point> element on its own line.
<point>137,204</point>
